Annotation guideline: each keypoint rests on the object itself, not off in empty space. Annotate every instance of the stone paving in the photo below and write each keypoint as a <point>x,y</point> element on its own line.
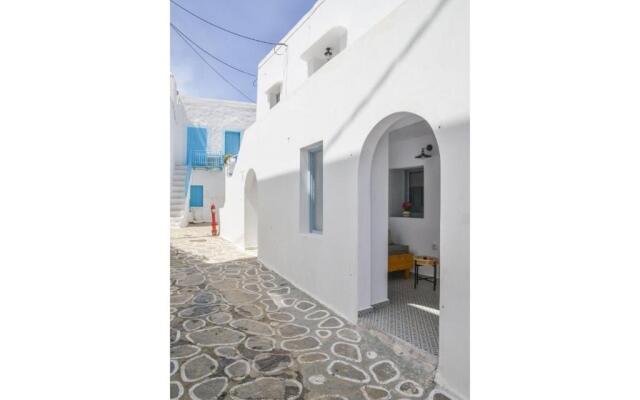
<point>240,331</point>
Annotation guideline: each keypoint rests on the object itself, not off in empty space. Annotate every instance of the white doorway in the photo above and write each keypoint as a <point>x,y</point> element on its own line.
<point>400,164</point>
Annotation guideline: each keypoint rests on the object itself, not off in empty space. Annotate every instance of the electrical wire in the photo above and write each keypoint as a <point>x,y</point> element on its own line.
<point>225,29</point>
<point>215,70</point>
<point>208,53</point>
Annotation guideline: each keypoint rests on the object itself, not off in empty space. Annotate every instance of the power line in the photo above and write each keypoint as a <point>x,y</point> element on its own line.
<point>213,69</point>
<point>225,29</point>
<point>208,53</point>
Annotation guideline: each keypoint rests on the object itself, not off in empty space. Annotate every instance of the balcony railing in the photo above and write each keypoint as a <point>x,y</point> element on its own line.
<point>206,160</point>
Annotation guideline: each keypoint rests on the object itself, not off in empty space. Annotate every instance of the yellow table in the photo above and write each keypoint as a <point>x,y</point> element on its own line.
<point>423,261</point>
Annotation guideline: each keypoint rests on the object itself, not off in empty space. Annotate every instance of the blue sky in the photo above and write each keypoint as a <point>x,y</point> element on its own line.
<point>268,20</point>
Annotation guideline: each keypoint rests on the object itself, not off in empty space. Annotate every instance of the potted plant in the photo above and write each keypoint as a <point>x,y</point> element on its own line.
<point>229,163</point>
<point>406,209</point>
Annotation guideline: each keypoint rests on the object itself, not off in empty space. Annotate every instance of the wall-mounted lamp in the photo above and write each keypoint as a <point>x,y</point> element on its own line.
<point>328,54</point>
<point>424,154</point>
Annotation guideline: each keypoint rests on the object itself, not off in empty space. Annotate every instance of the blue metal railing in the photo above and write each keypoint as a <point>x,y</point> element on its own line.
<point>201,159</point>
<point>206,159</point>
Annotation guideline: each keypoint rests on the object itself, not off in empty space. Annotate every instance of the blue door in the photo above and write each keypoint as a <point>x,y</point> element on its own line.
<point>196,196</point>
<point>196,146</point>
<point>231,142</point>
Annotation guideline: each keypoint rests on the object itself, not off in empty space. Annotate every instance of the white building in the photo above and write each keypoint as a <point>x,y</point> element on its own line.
<point>318,180</point>
<point>361,88</point>
<point>203,131</point>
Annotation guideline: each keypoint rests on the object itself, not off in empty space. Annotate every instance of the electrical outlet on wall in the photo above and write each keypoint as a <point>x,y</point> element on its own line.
<point>434,246</point>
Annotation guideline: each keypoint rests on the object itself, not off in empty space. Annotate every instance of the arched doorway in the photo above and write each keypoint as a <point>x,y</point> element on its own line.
<point>399,164</point>
<point>251,211</point>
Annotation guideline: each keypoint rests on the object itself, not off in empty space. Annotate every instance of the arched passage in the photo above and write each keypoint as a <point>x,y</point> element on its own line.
<point>399,163</point>
<point>251,211</point>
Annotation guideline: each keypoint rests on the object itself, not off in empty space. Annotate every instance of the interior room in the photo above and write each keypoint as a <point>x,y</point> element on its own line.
<point>412,310</point>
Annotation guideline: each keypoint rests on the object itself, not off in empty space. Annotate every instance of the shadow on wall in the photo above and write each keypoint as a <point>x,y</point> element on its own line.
<point>328,258</point>
<point>402,54</point>
<point>331,259</point>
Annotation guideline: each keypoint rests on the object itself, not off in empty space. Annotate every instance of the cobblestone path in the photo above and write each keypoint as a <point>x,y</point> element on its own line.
<point>240,331</point>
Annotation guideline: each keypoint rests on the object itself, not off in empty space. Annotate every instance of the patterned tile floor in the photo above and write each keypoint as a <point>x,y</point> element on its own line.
<point>240,331</point>
<point>410,315</point>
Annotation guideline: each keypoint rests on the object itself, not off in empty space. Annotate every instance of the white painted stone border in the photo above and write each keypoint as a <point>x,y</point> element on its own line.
<point>393,365</point>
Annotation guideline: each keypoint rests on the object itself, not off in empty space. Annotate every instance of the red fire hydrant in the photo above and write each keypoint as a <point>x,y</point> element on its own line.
<point>214,223</point>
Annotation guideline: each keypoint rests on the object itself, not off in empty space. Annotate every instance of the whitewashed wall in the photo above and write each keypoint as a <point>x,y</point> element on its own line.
<point>178,126</point>
<point>232,219</point>
<point>379,225</point>
<point>213,191</point>
<point>287,65</point>
<point>415,59</point>
<point>218,116</point>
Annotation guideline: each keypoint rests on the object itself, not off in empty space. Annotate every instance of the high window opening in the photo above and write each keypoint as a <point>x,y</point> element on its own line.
<point>274,94</point>
<point>325,49</point>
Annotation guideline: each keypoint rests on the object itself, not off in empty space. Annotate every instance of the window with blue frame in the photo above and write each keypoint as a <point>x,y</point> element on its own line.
<point>232,142</point>
<point>196,196</point>
<point>315,189</point>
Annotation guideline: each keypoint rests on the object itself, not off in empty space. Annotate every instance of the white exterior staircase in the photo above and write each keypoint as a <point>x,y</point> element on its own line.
<point>178,196</point>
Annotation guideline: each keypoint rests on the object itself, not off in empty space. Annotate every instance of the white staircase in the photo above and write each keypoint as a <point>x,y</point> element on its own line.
<point>178,198</point>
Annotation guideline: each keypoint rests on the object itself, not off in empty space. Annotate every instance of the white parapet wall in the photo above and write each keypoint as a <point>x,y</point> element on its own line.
<point>402,58</point>
<point>218,116</point>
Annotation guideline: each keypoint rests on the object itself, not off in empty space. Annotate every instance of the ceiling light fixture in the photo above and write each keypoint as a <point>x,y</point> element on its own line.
<point>328,54</point>
<point>424,154</point>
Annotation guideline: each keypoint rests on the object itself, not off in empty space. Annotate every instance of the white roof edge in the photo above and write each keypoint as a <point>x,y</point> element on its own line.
<point>293,30</point>
<point>218,101</point>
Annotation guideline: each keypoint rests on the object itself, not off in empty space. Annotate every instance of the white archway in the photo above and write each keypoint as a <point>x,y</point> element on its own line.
<point>251,211</point>
<point>374,201</point>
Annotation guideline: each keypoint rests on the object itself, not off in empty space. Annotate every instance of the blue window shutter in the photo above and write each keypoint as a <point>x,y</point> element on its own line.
<point>231,142</point>
<point>196,146</point>
<point>196,196</point>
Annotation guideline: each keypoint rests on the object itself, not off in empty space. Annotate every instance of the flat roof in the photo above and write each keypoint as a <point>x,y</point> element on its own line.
<point>217,101</point>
